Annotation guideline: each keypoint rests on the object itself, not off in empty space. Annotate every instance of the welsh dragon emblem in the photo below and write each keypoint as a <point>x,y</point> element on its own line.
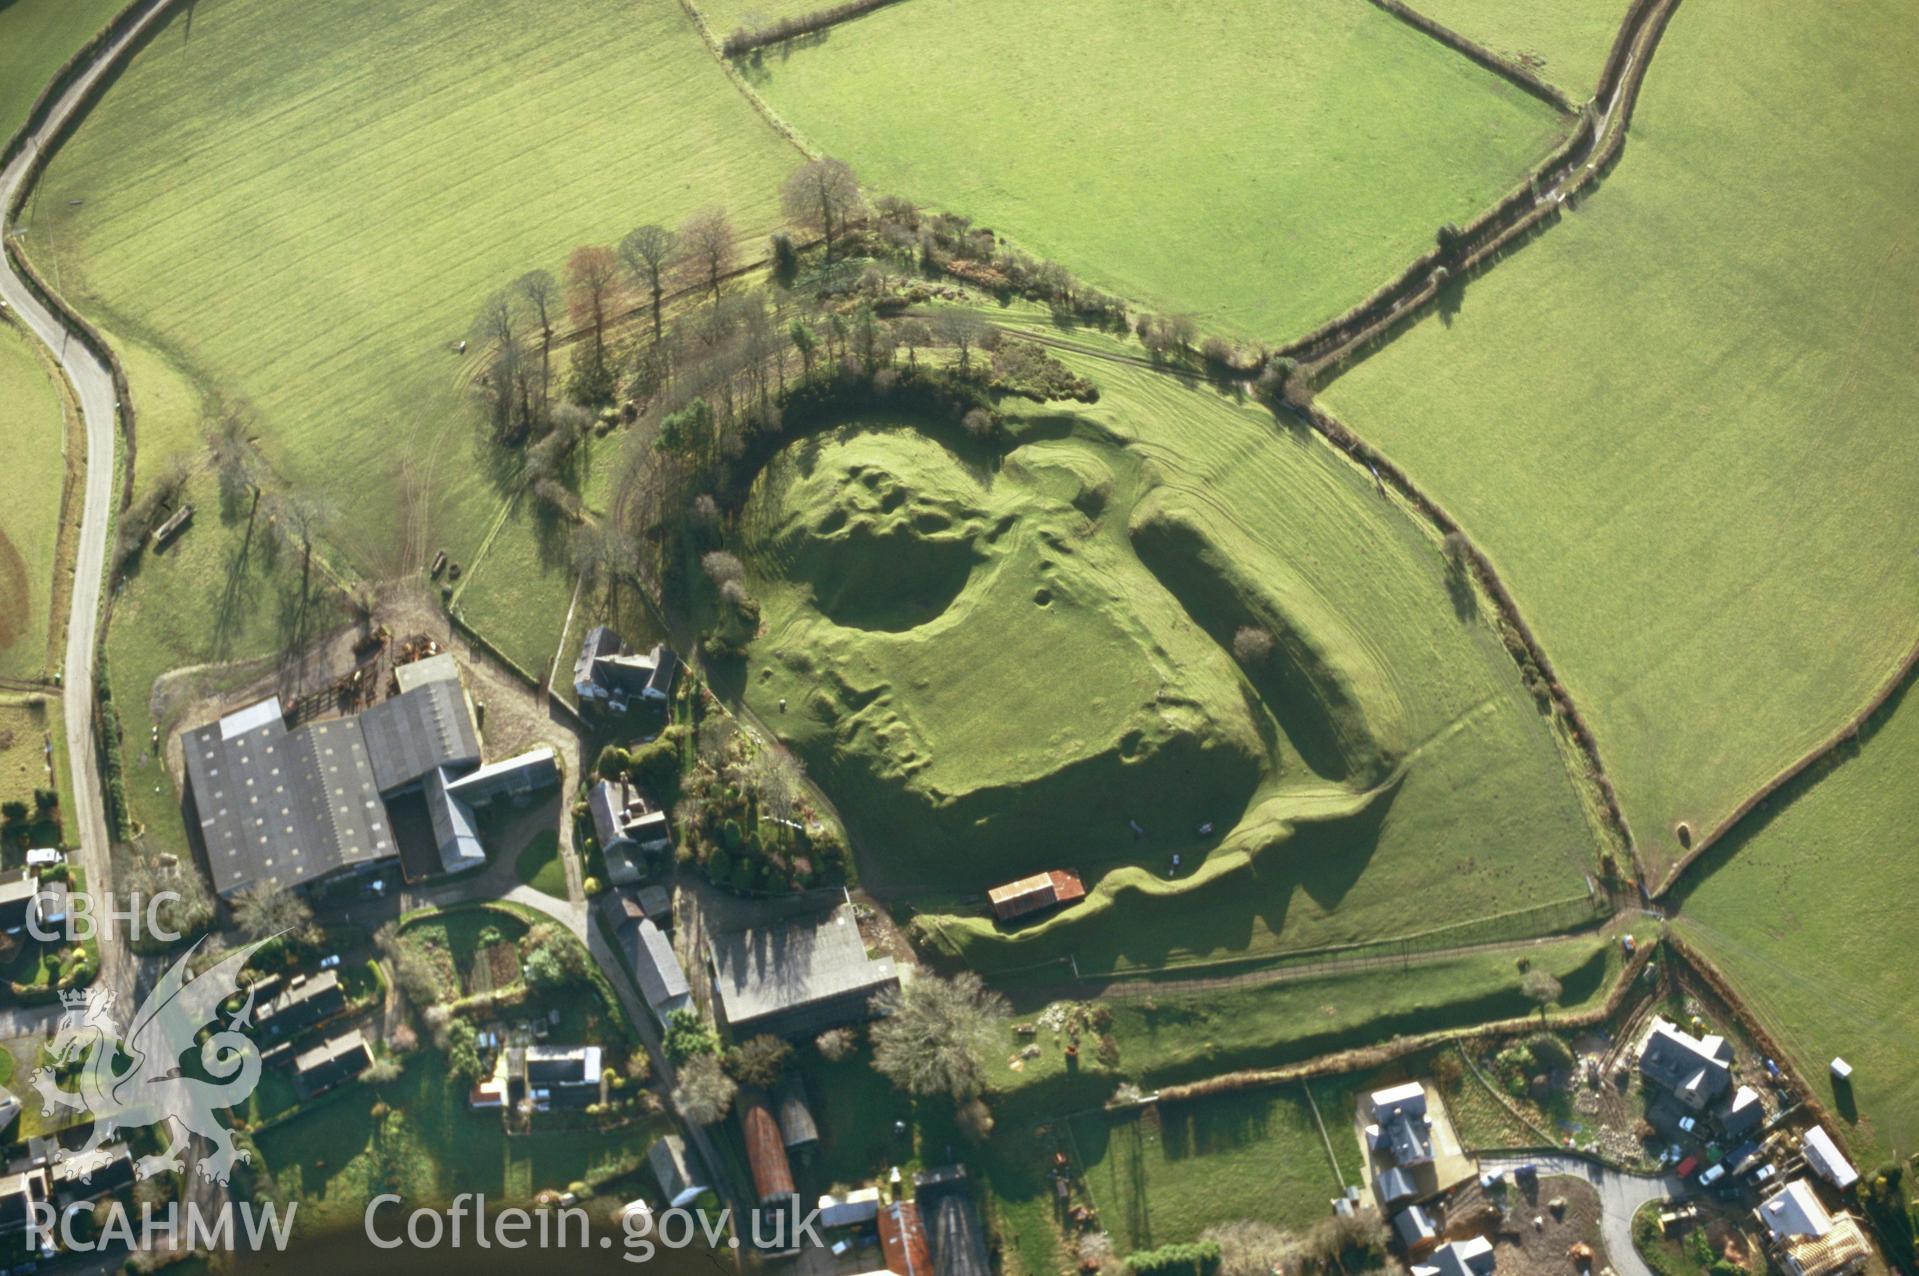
<point>150,1088</point>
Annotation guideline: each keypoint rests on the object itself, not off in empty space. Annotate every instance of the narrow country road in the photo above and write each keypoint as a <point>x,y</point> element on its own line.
<point>1620,1196</point>
<point>93,386</point>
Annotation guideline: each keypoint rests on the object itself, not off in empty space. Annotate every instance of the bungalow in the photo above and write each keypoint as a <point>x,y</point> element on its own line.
<point>1826,1160</point>
<point>851,1209</point>
<point>1808,1240</point>
<point>606,675</point>
<point>672,1165</point>
<point>75,1179</point>
<point>1031,894</point>
<point>19,1192</point>
<point>17,902</point>
<point>1697,1070</point>
<point>305,1001</point>
<point>1472,1257</point>
<point>332,1062</point>
<point>765,1151</point>
<point>566,1075</point>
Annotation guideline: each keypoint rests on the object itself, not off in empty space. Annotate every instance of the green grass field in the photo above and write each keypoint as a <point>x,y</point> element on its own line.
<point>1261,166</point>
<point>959,645</point>
<point>1677,421</point>
<point>1806,913</point>
<point>303,206</point>
<point>33,428</point>
<point>1164,1175</point>
<point>1563,41</point>
<point>36,37</point>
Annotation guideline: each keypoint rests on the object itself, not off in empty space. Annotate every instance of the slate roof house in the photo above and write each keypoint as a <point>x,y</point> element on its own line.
<point>798,977</point>
<point>1400,1125</point>
<point>656,968</point>
<point>1741,1114</point>
<point>628,829</point>
<point>293,807</point>
<point>606,675</point>
<point>1696,1070</point>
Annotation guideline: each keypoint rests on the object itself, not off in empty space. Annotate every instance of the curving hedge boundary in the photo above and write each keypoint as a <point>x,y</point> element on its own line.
<point>1399,1047</point>
<point>1535,202</point>
<point>1488,577</point>
<point>43,105</point>
<point>746,39</point>
<point>1519,76</point>
<point>1845,735</point>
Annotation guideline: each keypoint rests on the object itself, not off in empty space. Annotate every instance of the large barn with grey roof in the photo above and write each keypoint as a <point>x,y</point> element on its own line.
<point>289,807</point>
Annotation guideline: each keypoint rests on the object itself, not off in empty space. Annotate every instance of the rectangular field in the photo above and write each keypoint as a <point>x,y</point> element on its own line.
<point>1679,420</point>
<point>1263,166</point>
<point>1808,914</point>
<point>1166,1174</point>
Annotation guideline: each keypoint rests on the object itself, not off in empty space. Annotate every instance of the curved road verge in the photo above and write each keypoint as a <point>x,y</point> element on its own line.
<point>92,382</point>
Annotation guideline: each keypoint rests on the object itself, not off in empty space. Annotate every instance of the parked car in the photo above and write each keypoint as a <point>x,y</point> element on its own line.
<point>1688,1124</point>
<point>1712,1176</point>
<point>1686,1167</point>
<point>1763,1174</point>
<point>330,962</point>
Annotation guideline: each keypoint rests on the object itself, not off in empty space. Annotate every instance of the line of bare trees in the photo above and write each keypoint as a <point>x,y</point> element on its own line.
<point>744,39</point>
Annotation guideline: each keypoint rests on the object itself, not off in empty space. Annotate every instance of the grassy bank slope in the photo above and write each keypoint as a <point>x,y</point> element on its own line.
<point>1807,913</point>
<point>33,427</point>
<point>1049,632</point>
<point>1262,165</point>
<point>303,206</point>
<point>36,38</point>
<point>1678,420</point>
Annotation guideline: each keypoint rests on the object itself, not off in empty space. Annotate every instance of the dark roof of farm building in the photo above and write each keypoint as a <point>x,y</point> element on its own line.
<point>800,962</point>
<point>307,999</point>
<point>413,734</point>
<point>16,895</point>
<point>286,807</point>
<point>959,1242</point>
<point>562,1065</point>
<point>1030,894</point>
<point>765,1149</point>
<point>280,807</point>
<point>599,641</point>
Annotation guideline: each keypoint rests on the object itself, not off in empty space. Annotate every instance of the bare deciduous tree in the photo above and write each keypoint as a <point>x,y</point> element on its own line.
<point>1541,989</point>
<point>647,252</point>
<point>822,195</point>
<point>542,294</point>
<point>706,248</point>
<point>1251,644</point>
<point>703,1094</point>
<point>263,909</point>
<point>932,1035</point>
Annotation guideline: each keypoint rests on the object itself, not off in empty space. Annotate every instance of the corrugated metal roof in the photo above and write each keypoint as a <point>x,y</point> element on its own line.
<point>765,1149</point>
